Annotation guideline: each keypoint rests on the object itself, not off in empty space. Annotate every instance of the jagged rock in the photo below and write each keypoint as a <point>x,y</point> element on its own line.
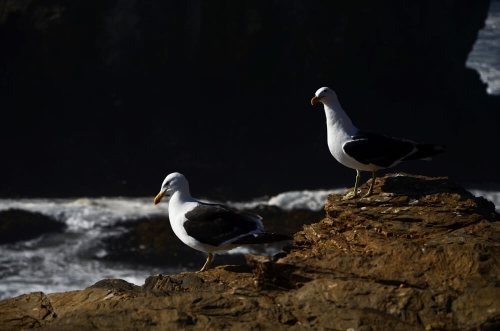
<point>26,311</point>
<point>418,249</point>
<point>446,233</point>
<point>163,302</point>
<point>420,254</point>
<point>17,225</point>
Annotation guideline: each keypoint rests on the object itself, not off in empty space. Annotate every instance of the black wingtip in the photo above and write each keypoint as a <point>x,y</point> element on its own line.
<point>425,151</point>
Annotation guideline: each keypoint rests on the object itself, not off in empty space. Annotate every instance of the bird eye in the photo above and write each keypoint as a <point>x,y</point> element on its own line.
<point>167,183</point>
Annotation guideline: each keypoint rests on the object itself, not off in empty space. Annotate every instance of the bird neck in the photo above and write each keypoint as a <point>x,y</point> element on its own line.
<point>337,119</point>
<point>181,197</point>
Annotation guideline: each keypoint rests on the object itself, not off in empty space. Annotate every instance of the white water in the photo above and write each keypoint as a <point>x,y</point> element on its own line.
<point>63,261</point>
<point>492,196</point>
<point>309,200</point>
<point>66,261</point>
<point>485,57</point>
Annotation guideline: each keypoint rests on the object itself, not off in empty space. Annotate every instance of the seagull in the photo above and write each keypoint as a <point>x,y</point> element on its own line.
<point>365,151</point>
<point>209,227</point>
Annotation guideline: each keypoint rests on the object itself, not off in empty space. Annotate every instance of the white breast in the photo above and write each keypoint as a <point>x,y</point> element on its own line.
<point>336,139</point>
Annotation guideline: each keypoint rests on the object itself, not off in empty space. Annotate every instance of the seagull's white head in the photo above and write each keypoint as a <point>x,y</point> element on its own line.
<point>325,95</point>
<point>174,182</point>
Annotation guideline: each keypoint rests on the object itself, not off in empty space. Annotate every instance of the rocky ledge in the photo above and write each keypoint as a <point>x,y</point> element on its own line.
<point>420,254</point>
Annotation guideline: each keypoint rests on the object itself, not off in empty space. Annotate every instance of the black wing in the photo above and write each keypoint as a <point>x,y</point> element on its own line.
<point>377,149</point>
<point>215,224</point>
<point>262,238</point>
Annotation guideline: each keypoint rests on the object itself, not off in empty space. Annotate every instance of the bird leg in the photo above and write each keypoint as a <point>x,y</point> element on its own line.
<point>370,190</point>
<point>207,264</point>
<point>354,193</point>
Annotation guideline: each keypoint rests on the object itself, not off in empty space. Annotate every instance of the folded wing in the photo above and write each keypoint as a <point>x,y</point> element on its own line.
<point>216,224</point>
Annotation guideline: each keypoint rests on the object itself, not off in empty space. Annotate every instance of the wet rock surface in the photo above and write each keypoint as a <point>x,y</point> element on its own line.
<point>420,254</point>
<point>17,225</point>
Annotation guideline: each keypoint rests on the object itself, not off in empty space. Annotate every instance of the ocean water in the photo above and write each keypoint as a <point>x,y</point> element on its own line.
<point>63,261</point>
<point>485,57</point>
<point>66,261</point>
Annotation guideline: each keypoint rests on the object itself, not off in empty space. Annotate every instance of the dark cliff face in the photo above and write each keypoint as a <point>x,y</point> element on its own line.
<point>107,97</point>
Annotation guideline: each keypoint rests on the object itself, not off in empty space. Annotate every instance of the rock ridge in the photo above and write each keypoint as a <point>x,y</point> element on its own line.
<point>420,254</point>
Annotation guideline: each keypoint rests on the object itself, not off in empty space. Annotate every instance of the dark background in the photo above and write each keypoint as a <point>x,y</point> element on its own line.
<point>106,97</point>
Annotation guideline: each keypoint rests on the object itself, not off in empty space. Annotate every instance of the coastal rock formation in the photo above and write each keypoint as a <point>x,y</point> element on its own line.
<point>420,254</point>
<point>17,225</point>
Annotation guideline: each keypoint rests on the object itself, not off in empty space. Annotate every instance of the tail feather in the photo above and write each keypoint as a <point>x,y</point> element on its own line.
<point>261,238</point>
<point>425,151</point>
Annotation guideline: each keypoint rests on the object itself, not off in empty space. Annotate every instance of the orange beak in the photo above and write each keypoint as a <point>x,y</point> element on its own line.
<point>159,197</point>
<point>314,100</point>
